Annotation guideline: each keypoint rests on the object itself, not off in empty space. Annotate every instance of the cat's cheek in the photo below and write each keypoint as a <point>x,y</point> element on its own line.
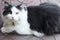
<point>9,18</point>
<point>16,19</point>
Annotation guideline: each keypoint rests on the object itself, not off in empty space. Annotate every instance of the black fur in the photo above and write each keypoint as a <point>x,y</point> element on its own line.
<point>19,7</point>
<point>44,18</point>
<point>7,10</point>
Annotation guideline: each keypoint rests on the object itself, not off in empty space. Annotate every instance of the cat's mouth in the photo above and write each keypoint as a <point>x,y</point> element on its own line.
<point>13,23</point>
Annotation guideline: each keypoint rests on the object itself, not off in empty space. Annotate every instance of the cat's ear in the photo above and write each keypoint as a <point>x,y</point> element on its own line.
<point>7,4</point>
<point>21,6</point>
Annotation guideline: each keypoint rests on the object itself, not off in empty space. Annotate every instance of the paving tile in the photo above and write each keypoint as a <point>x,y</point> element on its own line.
<point>57,37</point>
<point>28,2</point>
<point>48,38</point>
<point>19,37</point>
<point>2,36</point>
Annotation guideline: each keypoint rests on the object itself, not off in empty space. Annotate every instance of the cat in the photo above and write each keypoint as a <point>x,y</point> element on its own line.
<point>40,20</point>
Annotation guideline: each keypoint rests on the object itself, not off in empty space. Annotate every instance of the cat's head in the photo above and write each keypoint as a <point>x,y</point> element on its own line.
<point>14,12</point>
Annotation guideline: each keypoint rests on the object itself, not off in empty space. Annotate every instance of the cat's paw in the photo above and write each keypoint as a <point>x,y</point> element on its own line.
<point>37,34</point>
<point>5,30</point>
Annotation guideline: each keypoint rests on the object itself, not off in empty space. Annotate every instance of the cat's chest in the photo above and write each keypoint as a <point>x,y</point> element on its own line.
<point>11,23</point>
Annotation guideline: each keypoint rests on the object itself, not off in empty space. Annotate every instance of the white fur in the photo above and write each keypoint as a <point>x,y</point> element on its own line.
<point>21,24</point>
<point>38,34</point>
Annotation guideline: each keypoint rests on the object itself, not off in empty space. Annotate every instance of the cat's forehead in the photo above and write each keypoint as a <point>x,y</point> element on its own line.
<point>14,8</point>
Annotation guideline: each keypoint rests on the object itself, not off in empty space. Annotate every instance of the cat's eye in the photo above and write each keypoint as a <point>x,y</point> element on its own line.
<point>17,12</point>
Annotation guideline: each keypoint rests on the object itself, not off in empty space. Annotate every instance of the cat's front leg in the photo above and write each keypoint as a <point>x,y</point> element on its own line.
<point>7,29</point>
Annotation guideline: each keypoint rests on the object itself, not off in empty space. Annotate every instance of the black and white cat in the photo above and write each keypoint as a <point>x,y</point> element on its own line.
<point>40,20</point>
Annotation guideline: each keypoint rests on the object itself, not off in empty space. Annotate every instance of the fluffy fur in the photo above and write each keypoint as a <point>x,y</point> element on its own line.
<point>37,20</point>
